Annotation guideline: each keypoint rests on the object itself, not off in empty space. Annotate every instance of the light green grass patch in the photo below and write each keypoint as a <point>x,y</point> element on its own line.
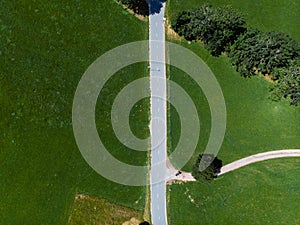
<point>261,193</point>
<point>88,210</point>
<point>254,123</point>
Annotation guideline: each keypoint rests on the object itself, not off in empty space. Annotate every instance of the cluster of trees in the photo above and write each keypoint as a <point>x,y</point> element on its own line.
<point>223,30</point>
<point>263,52</point>
<point>288,84</point>
<point>208,169</point>
<point>217,28</point>
<point>270,53</point>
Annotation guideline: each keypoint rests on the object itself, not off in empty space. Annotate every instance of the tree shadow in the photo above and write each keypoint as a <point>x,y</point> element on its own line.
<point>218,165</point>
<point>144,7</point>
<point>155,6</point>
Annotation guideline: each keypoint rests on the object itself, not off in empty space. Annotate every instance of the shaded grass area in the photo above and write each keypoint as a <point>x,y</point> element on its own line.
<point>265,14</point>
<point>261,193</point>
<point>45,47</point>
<point>88,210</point>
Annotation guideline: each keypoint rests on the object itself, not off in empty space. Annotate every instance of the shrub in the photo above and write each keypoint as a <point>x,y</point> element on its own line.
<point>288,84</point>
<point>262,52</point>
<point>208,169</point>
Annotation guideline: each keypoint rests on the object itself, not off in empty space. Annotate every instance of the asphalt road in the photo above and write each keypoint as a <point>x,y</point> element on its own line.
<point>158,118</point>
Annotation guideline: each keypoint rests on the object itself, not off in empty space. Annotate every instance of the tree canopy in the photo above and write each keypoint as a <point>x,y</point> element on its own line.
<point>251,51</point>
<point>288,84</point>
<point>208,169</point>
<point>217,28</point>
<point>261,52</point>
<point>137,6</point>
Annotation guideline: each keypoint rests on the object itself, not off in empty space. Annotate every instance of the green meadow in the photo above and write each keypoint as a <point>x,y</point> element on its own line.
<point>45,47</point>
<point>263,193</point>
<point>254,123</point>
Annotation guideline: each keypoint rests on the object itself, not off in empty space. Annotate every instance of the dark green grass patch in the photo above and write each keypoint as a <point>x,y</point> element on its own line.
<point>139,114</point>
<point>45,47</point>
<point>262,193</point>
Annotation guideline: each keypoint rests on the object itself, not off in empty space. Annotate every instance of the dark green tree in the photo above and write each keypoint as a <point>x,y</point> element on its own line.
<point>137,6</point>
<point>288,84</point>
<point>206,170</point>
<point>217,28</point>
<point>182,25</point>
<point>262,52</point>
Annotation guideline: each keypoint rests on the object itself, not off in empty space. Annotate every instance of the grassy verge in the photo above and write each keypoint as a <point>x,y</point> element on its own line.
<point>45,49</point>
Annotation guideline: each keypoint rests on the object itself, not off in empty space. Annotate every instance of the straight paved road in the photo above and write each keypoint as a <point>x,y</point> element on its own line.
<point>158,118</point>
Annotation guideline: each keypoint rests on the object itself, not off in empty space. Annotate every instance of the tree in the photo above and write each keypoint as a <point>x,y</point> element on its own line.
<point>207,169</point>
<point>137,6</point>
<point>288,84</point>
<point>261,52</point>
<point>217,28</point>
<point>181,25</point>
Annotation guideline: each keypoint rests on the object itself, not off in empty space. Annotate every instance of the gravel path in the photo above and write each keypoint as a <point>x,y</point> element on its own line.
<point>236,164</point>
<point>259,157</point>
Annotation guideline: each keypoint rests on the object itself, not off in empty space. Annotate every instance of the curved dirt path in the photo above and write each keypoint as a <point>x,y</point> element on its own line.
<point>236,164</point>
<point>259,157</point>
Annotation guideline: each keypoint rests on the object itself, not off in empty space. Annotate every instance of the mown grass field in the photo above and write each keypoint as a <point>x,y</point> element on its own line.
<point>262,193</point>
<point>45,47</point>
